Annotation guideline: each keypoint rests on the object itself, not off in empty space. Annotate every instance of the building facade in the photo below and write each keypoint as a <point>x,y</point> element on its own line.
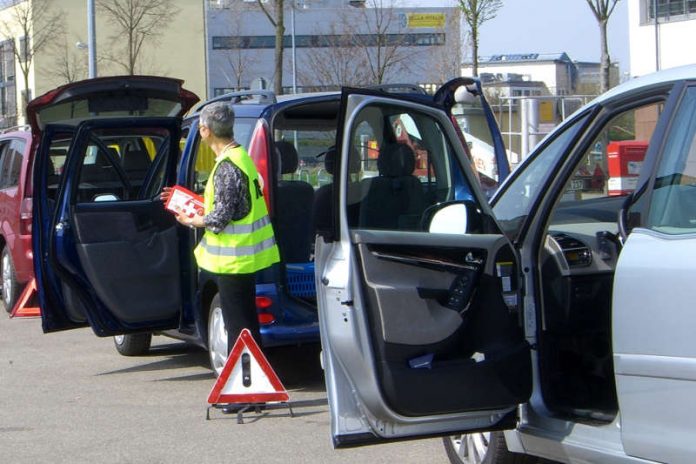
<point>329,43</point>
<point>56,49</point>
<point>560,75</point>
<point>664,43</point>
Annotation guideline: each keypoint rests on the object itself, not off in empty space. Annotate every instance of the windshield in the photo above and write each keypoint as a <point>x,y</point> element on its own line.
<point>513,204</point>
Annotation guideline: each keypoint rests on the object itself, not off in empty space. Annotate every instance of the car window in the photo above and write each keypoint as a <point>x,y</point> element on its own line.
<point>16,148</point>
<point>471,117</point>
<point>673,206</point>
<point>612,163</point>
<point>513,204</point>
<point>205,157</point>
<point>401,163</point>
<point>5,162</point>
<point>114,166</point>
<point>311,147</point>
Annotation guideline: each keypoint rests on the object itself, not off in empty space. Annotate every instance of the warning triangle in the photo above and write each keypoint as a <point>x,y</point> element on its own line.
<point>22,307</point>
<point>247,376</point>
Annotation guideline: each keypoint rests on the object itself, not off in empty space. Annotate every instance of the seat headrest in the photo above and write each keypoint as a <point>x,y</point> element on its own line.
<point>136,160</point>
<point>330,160</point>
<point>396,160</point>
<point>288,156</point>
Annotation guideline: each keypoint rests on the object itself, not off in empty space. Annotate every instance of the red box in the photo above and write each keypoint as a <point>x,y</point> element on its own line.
<point>185,202</point>
<point>624,162</point>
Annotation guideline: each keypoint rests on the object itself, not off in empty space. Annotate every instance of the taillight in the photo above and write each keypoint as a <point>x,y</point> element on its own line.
<point>258,151</point>
<point>262,304</point>
<point>25,217</point>
<point>266,318</point>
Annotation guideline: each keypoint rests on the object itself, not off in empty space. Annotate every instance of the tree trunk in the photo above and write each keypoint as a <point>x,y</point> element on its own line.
<point>605,61</point>
<point>280,33</point>
<point>474,51</point>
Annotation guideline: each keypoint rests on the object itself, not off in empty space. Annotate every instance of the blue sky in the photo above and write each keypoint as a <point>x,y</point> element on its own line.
<point>551,26</point>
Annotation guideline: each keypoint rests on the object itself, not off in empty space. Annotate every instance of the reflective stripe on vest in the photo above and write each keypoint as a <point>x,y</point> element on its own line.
<point>247,244</point>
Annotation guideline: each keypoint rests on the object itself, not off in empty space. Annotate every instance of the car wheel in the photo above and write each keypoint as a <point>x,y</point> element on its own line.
<point>133,344</point>
<point>482,448</point>
<point>217,336</point>
<point>10,287</point>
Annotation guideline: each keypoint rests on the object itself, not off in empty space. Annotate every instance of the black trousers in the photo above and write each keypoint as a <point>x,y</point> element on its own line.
<point>238,301</point>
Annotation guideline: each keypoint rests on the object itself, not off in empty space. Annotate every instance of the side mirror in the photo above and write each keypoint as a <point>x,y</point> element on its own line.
<point>459,217</point>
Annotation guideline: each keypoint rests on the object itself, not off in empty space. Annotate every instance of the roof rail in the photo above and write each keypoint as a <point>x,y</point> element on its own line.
<point>399,88</point>
<point>23,127</point>
<point>262,96</point>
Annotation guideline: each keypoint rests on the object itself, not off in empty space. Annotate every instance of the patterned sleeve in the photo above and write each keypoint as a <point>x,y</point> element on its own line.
<point>232,198</point>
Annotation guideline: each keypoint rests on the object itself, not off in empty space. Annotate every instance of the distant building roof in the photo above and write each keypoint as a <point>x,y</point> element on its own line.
<point>524,58</point>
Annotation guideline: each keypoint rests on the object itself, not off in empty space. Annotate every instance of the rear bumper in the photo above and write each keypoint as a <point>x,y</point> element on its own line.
<point>279,335</point>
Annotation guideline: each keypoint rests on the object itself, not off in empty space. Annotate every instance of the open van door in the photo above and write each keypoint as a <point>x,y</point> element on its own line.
<point>106,253</point>
<point>417,288</point>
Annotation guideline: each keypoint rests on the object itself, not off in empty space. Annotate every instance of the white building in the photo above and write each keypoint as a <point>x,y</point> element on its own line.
<point>668,43</point>
<point>334,43</point>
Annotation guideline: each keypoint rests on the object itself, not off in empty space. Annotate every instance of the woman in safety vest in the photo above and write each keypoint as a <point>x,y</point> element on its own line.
<point>238,239</point>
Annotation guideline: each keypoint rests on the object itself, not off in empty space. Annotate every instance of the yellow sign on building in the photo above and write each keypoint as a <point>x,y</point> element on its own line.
<point>416,20</point>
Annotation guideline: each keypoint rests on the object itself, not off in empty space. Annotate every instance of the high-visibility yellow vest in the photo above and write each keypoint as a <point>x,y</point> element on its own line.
<point>245,245</point>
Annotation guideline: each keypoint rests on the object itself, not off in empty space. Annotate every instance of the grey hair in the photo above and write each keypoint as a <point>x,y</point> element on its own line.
<point>219,118</point>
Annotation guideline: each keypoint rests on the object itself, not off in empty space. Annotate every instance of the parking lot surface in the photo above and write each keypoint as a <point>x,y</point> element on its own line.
<point>70,398</point>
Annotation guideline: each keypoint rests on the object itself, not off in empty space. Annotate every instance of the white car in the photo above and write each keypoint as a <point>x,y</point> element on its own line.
<point>561,313</point>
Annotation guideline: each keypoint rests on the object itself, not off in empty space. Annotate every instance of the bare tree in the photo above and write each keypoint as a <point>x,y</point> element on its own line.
<point>602,10</point>
<point>477,12</point>
<point>385,46</point>
<point>136,22</point>
<point>277,19</point>
<point>32,26</point>
<point>69,65</point>
<point>339,63</point>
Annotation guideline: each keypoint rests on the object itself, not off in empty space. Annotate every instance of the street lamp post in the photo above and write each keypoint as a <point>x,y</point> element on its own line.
<point>294,51</point>
<point>91,40</point>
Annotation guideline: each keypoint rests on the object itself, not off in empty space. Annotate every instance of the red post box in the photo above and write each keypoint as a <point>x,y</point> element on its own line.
<point>625,160</point>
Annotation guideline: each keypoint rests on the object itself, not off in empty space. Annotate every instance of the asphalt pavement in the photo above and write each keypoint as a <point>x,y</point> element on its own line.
<point>69,397</point>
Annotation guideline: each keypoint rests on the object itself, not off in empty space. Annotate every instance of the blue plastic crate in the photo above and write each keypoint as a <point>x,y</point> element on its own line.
<point>300,279</point>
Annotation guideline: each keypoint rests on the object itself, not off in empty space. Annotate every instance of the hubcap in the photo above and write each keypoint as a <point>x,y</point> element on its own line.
<point>6,278</point>
<point>471,448</point>
<point>217,340</point>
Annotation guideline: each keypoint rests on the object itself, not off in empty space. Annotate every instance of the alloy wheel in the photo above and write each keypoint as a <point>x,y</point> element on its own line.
<point>471,448</point>
<point>217,339</point>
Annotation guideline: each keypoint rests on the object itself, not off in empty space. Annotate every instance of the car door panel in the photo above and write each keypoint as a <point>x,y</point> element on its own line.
<point>653,316</point>
<point>106,259</point>
<point>417,333</point>
<point>138,249</point>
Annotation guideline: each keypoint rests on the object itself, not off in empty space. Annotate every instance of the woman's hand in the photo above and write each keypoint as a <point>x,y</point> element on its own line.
<point>166,193</point>
<point>192,222</point>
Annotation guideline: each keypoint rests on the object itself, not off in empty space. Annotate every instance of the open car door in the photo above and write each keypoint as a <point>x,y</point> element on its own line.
<point>416,285</point>
<point>106,253</point>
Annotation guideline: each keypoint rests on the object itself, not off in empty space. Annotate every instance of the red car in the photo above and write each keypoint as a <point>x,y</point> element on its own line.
<point>16,265</point>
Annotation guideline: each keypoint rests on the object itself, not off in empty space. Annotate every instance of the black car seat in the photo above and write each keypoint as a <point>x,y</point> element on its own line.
<point>136,164</point>
<point>395,199</point>
<point>292,208</point>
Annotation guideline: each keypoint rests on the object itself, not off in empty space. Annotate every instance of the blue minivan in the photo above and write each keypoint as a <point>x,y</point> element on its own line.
<point>107,254</point>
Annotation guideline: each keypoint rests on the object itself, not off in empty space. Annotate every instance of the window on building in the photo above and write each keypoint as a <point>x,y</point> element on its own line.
<point>318,41</point>
<point>8,99</point>
<point>667,10</point>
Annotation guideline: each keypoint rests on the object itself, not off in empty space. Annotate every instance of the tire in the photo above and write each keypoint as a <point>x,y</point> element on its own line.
<point>133,344</point>
<point>482,448</point>
<point>217,336</point>
<point>10,287</point>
